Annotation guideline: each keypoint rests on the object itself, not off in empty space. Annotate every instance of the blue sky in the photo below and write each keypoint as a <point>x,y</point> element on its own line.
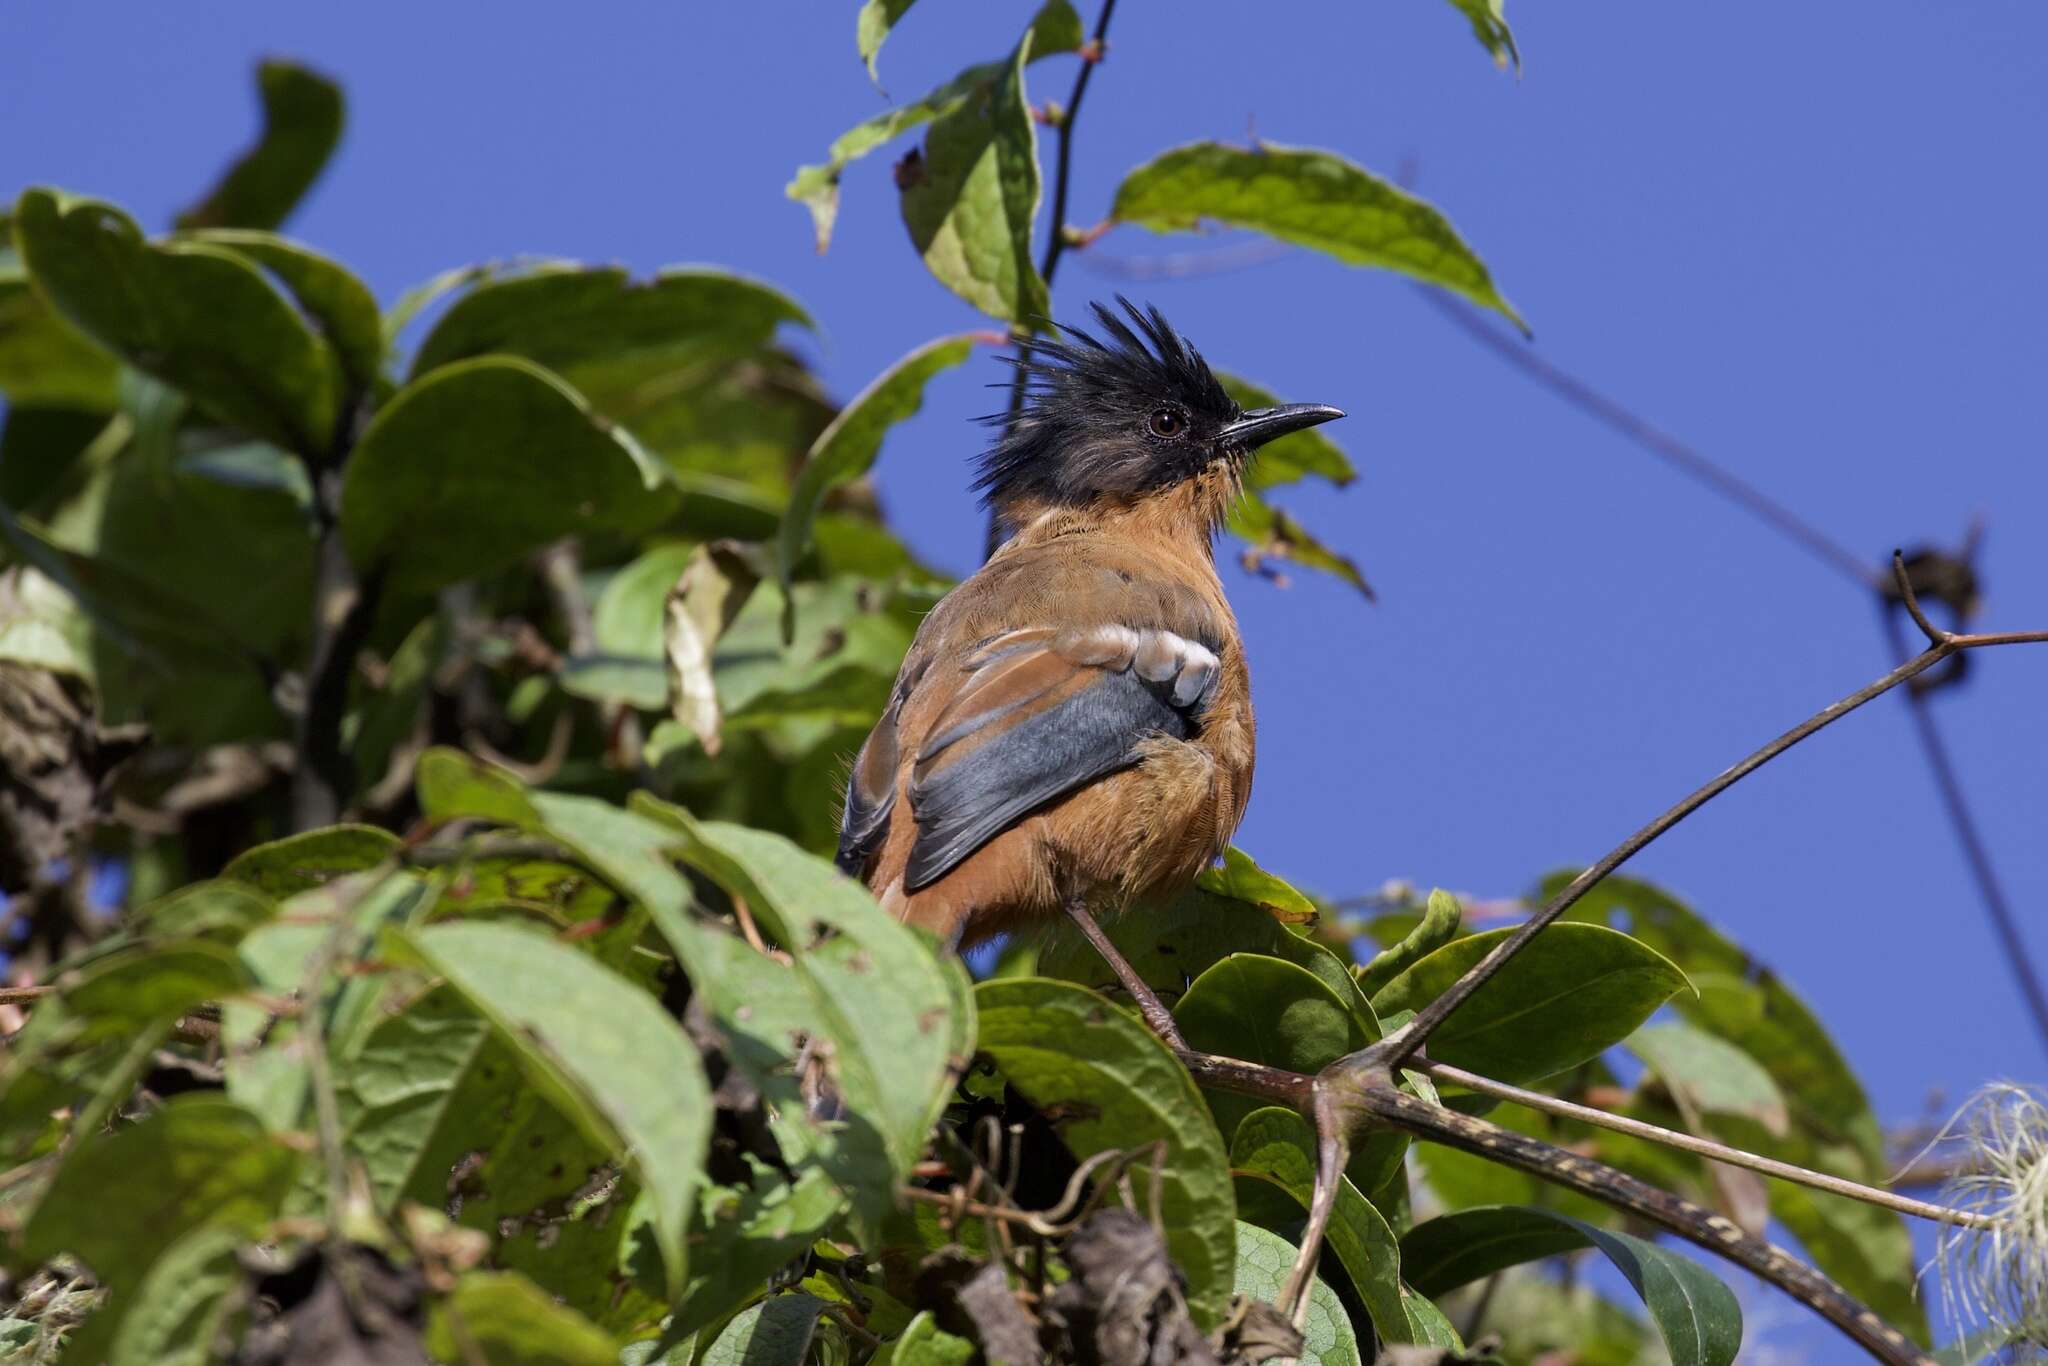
<point>1805,237</point>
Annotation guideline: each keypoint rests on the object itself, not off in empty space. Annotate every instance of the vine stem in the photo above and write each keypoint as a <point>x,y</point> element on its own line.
<point>1393,1050</point>
<point>1056,245</point>
<point>1702,1147</point>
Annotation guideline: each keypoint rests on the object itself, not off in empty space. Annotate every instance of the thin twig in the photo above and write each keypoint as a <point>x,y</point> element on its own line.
<point>561,573</point>
<point>1384,1105</point>
<point>344,608</point>
<point>1056,244</point>
<point>1699,467</point>
<point>1618,1190</point>
<point>1480,1306</point>
<point>1393,1050</point>
<point>1702,1147</point>
<point>2004,923</point>
<point>1655,440</point>
<point>313,1038</point>
<point>1091,57</point>
<point>749,931</point>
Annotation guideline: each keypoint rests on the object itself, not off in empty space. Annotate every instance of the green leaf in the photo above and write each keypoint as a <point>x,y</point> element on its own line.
<point>587,1261</point>
<point>882,996</point>
<point>855,977</point>
<point>1265,1010</point>
<point>84,1049</point>
<point>871,30</point>
<point>327,293</point>
<point>1427,1324</point>
<point>1242,879</point>
<point>569,317</point>
<point>1538,1315</point>
<point>1313,199</point>
<point>847,449</point>
<point>603,1050</point>
<point>1710,1075</point>
<point>42,446</point>
<point>217,908</point>
<point>1279,1146</point>
<point>158,541</point>
<point>120,1201</point>
<point>1744,1002</point>
<point>841,662</point>
<point>493,433</point>
<point>181,1303</point>
<point>1565,998</point>
<point>298,863</point>
<point>1441,1254</point>
<point>536,1160</point>
<point>413,1094</point>
<point>924,1343</point>
<point>453,784</point>
<point>750,1235</point>
<point>1490,27</point>
<point>302,118</point>
<point>971,198</point>
<point>426,294</point>
<point>1271,534</point>
<point>1056,28</point>
<point>776,1332</point>
<point>199,317</point>
<point>506,1320</point>
<point>1438,926</point>
<point>1168,946</point>
<point>623,662</point>
<point>43,359</point>
<point>1696,1314</point>
<point>1263,1263</point>
<point>1069,1052</point>
<point>1293,457</point>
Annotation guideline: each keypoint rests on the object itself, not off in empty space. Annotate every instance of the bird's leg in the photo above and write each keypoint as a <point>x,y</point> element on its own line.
<point>1155,1013</point>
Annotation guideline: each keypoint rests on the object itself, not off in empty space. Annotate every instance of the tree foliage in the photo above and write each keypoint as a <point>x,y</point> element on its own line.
<point>465,725</point>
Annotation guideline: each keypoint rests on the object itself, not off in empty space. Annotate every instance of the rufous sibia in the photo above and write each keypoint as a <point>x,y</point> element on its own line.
<point>1072,728</point>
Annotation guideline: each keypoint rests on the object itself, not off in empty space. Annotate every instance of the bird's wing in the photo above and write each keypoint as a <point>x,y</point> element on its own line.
<point>1028,716</point>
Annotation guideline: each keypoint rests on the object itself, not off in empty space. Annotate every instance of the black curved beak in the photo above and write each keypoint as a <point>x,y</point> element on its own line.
<point>1260,425</point>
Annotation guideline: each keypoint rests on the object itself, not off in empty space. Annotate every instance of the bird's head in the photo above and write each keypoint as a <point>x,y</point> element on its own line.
<point>1116,420</point>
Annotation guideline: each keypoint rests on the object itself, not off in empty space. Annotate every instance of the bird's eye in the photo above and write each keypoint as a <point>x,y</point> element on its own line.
<point>1166,422</point>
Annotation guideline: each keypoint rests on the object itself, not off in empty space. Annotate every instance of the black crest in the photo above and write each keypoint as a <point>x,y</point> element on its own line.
<point>1139,411</point>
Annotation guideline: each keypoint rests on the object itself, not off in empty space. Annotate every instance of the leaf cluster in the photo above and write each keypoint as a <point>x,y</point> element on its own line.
<point>458,690</point>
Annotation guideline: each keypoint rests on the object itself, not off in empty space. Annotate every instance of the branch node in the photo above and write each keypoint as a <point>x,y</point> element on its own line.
<point>1935,635</point>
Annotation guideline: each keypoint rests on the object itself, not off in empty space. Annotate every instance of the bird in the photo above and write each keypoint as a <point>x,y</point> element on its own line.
<point>1071,731</point>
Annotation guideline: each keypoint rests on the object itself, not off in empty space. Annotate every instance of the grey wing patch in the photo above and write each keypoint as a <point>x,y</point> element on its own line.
<point>1034,739</point>
<point>963,805</point>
